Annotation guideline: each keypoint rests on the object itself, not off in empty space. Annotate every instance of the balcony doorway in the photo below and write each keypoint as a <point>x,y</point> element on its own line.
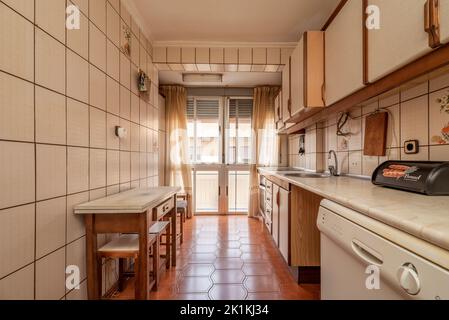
<point>220,141</point>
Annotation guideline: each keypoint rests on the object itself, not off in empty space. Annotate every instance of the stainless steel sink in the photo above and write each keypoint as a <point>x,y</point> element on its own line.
<point>307,175</point>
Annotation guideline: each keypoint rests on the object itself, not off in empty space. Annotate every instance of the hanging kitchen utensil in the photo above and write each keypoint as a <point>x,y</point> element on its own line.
<point>376,127</point>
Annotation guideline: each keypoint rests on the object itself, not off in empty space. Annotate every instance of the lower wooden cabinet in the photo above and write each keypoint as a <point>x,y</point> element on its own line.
<point>305,236</point>
<point>284,222</point>
<point>293,213</point>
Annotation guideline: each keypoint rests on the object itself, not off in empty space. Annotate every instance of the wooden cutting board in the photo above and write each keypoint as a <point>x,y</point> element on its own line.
<point>376,129</point>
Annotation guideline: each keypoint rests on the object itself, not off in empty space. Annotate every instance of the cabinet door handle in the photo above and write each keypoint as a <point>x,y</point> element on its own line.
<point>289,104</point>
<point>323,93</point>
<point>278,198</point>
<point>432,22</point>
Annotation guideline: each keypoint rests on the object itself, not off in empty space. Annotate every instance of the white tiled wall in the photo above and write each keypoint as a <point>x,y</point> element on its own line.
<point>61,95</point>
<point>415,113</point>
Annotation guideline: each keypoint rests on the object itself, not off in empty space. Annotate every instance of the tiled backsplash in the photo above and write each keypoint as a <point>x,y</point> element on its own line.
<point>417,112</point>
<point>62,93</point>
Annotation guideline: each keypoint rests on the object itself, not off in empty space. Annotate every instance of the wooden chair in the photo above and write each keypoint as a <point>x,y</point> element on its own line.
<point>182,208</point>
<point>123,248</point>
<point>160,229</point>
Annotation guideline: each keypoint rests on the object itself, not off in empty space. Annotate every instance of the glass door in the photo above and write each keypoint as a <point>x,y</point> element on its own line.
<point>238,140</point>
<point>219,132</point>
<point>205,118</point>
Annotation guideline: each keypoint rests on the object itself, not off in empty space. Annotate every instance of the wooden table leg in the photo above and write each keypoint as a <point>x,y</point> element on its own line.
<point>156,259</point>
<point>93,288</point>
<point>173,234</point>
<point>168,246</point>
<point>143,278</point>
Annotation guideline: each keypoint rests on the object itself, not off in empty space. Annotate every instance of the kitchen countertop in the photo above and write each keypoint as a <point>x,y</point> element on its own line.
<point>132,201</point>
<point>424,217</point>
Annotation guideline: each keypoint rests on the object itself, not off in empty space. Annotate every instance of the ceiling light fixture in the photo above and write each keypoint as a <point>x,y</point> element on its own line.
<point>202,77</point>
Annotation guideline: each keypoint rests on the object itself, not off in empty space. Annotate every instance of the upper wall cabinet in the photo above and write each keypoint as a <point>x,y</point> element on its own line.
<point>344,52</point>
<point>297,79</point>
<point>400,39</point>
<point>307,73</point>
<point>444,21</point>
<point>286,92</point>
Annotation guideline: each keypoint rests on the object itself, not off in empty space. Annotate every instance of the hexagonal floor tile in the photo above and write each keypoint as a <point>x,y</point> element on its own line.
<point>253,257</point>
<point>202,258</point>
<point>228,253</point>
<point>228,292</point>
<point>228,263</point>
<point>225,244</point>
<point>194,285</point>
<point>228,276</point>
<point>203,248</point>
<point>251,248</point>
<point>257,269</point>
<point>261,284</point>
<point>198,270</point>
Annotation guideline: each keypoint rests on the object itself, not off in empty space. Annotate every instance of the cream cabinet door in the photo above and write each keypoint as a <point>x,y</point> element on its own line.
<point>286,92</point>
<point>284,223</point>
<point>444,21</point>
<point>344,53</point>
<point>275,216</point>
<point>297,78</point>
<point>400,39</point>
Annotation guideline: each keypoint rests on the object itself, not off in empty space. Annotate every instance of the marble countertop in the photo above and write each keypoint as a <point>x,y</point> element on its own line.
<point>424,217</point>
<point>132,201</point>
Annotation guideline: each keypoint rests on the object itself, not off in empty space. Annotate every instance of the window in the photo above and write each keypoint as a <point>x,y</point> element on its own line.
<point>239,131</point>
<point>203,116</point>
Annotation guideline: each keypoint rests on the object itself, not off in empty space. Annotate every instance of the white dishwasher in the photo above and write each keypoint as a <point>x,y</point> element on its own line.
<point>357,264</point>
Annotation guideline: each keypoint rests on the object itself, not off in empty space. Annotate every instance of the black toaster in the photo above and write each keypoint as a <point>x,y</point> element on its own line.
<point>425,177</point>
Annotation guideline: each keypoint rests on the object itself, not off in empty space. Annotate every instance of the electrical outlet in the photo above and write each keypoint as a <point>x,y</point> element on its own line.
<point>411,147</point>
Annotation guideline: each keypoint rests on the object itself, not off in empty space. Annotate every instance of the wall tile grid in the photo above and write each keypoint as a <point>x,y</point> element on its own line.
<point>62,92</point>
<point>418,112</point>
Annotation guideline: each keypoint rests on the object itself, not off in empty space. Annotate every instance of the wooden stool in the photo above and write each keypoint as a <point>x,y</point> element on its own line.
<point>122,248</point>
<point>181,211</point>
<point>158,230</point>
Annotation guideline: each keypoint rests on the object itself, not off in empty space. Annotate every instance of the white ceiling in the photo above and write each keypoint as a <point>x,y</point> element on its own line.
<point>233,20</point>
<point>230,79</point>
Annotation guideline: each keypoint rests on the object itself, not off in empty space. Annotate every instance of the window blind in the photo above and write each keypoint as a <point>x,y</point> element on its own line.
<point>241,108</point>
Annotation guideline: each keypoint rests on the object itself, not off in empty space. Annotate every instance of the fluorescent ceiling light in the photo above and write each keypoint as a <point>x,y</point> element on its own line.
<point>202,77</point>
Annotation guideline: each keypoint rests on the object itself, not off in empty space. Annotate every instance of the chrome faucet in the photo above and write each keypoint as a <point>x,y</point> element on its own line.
<point>333,169</point>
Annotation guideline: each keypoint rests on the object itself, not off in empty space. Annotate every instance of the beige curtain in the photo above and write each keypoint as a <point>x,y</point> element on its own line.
<point>179,171</point>
<point>265,140</point>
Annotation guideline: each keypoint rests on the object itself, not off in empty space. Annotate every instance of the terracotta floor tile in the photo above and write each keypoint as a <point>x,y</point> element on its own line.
<point>227,292</point>
<point>194,285</point>
<point>224,244</point>
<point>199,248</point>
<point>228,263</point>
<point>251,248</point>
<point>228,276</point>
<point>253,257</point>
<point>198,270</point>
<point>210,241</point>
<point>257,269</point>
<point>212,262</point>
<point>261,284</point>
<point>228,253</point>
<point>202,258</point>
<point>234,237</point>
